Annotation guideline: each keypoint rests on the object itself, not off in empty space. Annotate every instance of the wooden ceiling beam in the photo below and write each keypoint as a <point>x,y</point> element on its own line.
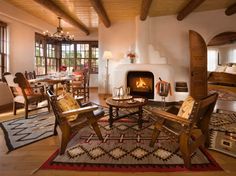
<point>98,7</point>
<point>49,4</point>
<point>146,4</point>
<point>193,4</point>
<point>231,10</point>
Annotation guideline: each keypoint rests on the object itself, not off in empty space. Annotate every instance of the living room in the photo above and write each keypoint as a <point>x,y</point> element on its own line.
<point>160,44</point>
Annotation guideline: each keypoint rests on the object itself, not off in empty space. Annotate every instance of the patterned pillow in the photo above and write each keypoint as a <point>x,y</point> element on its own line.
<point>186,108</point>
<point>67,102</point>
<point>220,68</point>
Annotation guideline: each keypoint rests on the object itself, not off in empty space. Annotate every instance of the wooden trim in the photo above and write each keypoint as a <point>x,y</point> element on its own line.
<point>52,6</point>
<point>98,7</point>
<point>190,7</point>
<point>231,10</point>
<point>146,4</point>
<point>2,24</point>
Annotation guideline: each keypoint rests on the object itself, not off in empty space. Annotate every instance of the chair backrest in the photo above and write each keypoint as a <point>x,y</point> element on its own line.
<point>86,75</point>
<point>9,79</point>
<point>23,84</point>
<point>202,111</point>
<point>30,75</point>
<point>55,108</point>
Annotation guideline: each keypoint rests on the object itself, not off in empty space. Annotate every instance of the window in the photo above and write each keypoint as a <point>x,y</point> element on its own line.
<point>39,55</point>
<point>51,59</point>
<point>3,48</point>
<point>68,56</point>
<point>82,60</point>
<point>87,56</point>
<point>212,59</point>
<point>51,55</point>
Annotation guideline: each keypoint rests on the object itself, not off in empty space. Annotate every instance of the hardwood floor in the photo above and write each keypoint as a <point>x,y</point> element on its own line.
<point>26,160</point>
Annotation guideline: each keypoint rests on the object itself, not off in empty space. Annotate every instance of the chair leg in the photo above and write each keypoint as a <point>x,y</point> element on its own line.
<point>97,130</point>
<point>14,108</point>
<point>64,140</point>
<point>185,150</point>
<point>155,135</point>
<point>48,105</point>
<point>26,110</point>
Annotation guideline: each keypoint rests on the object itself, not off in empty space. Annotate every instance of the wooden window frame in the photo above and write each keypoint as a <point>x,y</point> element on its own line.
<point>3,47</point>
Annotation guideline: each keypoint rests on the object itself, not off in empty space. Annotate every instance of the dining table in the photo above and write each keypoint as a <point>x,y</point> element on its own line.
<point>55,79</point>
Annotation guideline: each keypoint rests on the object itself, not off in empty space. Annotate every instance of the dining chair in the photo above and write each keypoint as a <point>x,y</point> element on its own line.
<point>181,128</point>
<point>22,93</point>
<point>71,117</point>
<point>80,87</point>
<point>30,75</point>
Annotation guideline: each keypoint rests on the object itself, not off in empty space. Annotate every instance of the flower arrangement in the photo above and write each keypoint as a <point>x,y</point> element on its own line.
<point>131,56</point>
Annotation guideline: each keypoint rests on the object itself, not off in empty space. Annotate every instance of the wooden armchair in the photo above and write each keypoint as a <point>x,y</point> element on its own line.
<point>82,117</point>
<point>23,93</point>
<point>181,129</point>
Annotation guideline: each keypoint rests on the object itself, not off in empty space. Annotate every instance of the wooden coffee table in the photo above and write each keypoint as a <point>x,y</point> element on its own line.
<point>125,104</point>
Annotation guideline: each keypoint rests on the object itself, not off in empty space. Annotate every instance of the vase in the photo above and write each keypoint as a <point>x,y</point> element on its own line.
<point>131,60</point>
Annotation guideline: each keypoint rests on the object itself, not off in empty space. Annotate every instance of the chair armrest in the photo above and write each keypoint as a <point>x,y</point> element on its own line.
<point>79,98</point>
<point>79,111</point>
<point>171,117</point>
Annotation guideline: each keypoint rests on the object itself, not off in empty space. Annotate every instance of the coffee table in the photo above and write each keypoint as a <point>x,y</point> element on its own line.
<point>116,105</point>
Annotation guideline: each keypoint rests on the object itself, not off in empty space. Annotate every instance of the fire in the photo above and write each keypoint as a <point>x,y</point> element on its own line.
<point>141,84</point>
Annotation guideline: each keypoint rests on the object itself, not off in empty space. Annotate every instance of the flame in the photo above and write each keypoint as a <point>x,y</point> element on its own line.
<point>141,83</point>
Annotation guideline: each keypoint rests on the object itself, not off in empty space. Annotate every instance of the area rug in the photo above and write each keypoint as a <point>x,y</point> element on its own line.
<point>223,132</point>
<point>21,132</point>
<point>126,149</point>
<point>224,95</point>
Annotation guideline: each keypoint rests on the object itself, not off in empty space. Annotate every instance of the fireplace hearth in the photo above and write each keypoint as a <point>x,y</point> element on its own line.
<point>141,83</point>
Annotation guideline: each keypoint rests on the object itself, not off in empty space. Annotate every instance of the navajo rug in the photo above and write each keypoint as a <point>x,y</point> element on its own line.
<point>125,148</point>
<point>20,132</point>
<point>223,132</point>
<point>224,95</point>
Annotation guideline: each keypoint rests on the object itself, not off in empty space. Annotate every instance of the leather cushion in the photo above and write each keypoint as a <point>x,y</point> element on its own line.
<point>67,102</point>
<point>186,108</point>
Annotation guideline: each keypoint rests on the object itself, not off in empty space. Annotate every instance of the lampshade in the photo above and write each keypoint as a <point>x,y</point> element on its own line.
<point>107,55</point>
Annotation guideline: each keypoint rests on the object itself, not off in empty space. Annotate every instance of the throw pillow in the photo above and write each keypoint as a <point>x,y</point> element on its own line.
<point>67,102</point>
<point>231,70</point>
<point>186,108</point>
<point>220,68</point>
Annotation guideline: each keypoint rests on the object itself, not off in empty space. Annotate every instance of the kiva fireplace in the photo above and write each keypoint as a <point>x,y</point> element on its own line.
<point>141,83</point>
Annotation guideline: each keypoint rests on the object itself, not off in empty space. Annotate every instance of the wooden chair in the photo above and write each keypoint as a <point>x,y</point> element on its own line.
<point>181,130</point>
<point>30,75</point>
<point>81,87</point>
<point>22,93</point>
<point>88,115</point>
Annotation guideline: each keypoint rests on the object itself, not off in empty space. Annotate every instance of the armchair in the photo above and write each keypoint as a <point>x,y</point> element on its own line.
<point>73,118</point>
<point>180,128</point>
<point>23,93</point>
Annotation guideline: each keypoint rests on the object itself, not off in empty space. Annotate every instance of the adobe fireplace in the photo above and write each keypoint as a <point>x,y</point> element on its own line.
<point>141,83</point>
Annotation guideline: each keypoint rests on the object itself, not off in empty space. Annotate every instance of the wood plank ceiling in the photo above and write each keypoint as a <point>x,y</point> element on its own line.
<point>116,10</point>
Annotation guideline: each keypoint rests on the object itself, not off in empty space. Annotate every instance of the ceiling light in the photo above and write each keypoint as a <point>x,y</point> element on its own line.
<point>59,35</point>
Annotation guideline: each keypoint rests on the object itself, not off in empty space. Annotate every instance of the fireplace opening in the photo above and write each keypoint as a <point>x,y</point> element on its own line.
<point>141,83</point>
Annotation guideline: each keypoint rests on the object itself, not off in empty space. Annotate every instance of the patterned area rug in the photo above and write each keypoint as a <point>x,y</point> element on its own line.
<point>126,148</point>
<point>20,132</point>
<point>223,132</point>
<point>224,95</point>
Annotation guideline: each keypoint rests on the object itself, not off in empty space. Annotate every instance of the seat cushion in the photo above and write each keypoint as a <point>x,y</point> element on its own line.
<point>67,102</point>
<point>186,108</point>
